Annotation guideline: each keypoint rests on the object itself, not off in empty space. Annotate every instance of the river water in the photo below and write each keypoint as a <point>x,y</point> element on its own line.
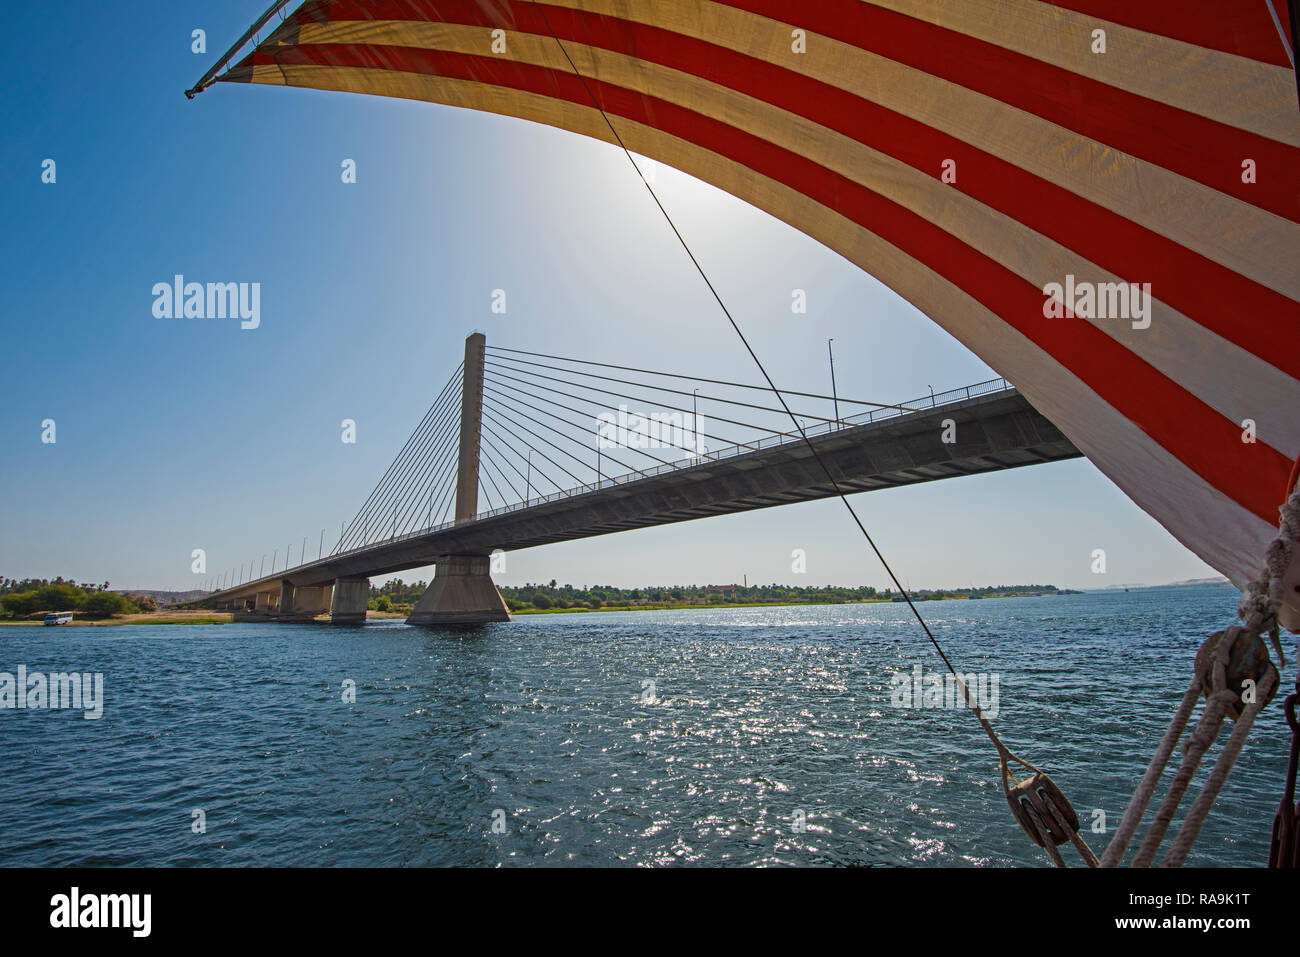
<point>722,737</point>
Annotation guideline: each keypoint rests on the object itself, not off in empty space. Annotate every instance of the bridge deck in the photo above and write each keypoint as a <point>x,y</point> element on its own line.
<point>995,429</point>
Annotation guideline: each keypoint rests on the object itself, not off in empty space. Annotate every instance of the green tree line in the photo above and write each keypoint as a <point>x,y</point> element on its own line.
<point>30,596</point>
<point>397,595</point>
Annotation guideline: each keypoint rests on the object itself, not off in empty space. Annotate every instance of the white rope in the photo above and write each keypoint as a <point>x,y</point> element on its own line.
<point>1258,610</point>
<point>1191,828</point>
<point>1264,596</point>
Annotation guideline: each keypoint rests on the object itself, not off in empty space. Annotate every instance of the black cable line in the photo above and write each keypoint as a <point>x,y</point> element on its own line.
<point>349,530</point>
<point>448,497</point>
<point>418,458</point>
<point>412,503</point>
<point>772,385</point>
<point>619,395</point>
<point>486,494</point>
<point>486,411</point>
<point>491,460</point>
<point>400,457</point>
<point>569,438</point>
<point>658,388</point>
<point>579,425</point>
<point>486,472</point>
<point>515,407</point>
<point>437,492</point>
<point>507,447</point>
<point>726,441</point>
<point>431,461</point>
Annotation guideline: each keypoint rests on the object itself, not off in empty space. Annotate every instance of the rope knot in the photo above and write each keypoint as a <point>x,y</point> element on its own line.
<point>1232,666</point>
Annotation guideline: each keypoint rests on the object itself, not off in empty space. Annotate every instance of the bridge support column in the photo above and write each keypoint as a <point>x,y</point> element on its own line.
<point>348,602</point>
<point>461,593</point>
<point>308,602</point>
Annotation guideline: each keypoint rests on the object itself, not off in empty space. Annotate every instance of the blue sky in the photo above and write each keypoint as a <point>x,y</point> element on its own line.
<point>182,434</point>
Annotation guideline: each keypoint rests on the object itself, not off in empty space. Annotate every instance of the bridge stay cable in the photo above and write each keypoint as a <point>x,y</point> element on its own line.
<point>489,413</point>
<point>592,388</point>
<point>411,494</point>
<point>547,442</point>
<point>660,388</point>
<point>412,498</point>
<point>446,499</point>
<point>580,443</point>
<point>490,459</point>
<point>507,449</point>
<point>360,520</point>
<point>394,494</point>
<point>396,467</point>
<point>692,378</point>
<point>414,441</point>
<point>694,427</point>
<point>514,405</point>
<point>515,402</point>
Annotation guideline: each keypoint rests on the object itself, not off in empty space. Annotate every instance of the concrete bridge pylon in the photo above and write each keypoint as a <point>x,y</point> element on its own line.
<point>462,592</point>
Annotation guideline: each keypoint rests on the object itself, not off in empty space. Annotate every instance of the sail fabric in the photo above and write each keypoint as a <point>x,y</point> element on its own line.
<point>1027,174</point>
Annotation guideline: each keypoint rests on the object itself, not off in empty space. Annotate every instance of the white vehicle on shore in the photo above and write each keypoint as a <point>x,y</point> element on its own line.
<point>59,618</point>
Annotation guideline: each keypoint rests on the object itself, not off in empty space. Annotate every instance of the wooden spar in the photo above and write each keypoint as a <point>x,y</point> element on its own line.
<point>206,81</point>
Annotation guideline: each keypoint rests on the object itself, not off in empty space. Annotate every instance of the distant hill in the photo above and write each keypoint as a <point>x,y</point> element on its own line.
<point>164,597</point>
<point>1217,580</point>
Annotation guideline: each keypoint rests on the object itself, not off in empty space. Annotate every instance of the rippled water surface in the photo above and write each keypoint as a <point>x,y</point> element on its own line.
<point>759,717</point>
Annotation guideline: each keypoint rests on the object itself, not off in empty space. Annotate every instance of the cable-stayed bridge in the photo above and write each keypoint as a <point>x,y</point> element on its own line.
<point>560,449</point>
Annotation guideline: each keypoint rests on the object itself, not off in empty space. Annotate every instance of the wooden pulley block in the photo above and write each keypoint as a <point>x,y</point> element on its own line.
<point>1248,660</point>
<point>1030,798</point>
<point>1288,613</point>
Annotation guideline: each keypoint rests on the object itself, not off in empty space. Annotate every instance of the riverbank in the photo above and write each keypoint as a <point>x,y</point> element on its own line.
<point>171,617</point>
<point>165,617</point>
<point>703,606</point>
<point>202,617</point>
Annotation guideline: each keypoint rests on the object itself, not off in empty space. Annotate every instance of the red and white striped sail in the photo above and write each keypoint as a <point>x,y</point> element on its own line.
<point>1171,159</point>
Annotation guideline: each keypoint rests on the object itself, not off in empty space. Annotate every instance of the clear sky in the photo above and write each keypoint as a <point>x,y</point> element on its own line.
<point>179,434</point>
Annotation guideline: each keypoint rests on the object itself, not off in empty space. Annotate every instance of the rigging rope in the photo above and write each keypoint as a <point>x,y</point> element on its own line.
<point>1238,679</point>
<point>1038,791</point>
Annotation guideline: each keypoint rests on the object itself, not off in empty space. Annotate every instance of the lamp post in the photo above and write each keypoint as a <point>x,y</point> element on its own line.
<point>695,419</point>
<point>834,395</point>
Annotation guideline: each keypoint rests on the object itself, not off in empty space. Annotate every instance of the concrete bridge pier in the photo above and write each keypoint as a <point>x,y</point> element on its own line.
<point>306,602</point>
<point>348,601</point>
<point>461,593</point>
